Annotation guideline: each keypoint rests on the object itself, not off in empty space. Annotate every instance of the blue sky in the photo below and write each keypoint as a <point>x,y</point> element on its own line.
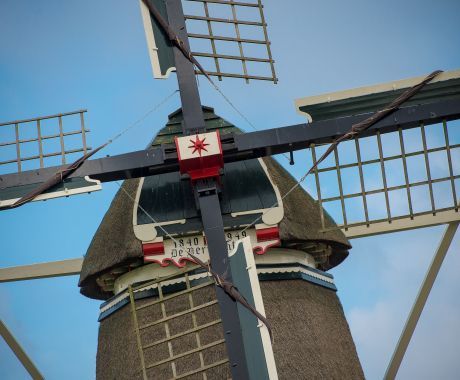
<point>60,56</point>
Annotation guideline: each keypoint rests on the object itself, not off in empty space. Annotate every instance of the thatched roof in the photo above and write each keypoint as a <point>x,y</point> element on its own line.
<point>115,246</point>
<point>310,334</point>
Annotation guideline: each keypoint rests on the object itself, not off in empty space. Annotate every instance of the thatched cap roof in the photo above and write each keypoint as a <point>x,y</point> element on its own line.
<point>115,248</point>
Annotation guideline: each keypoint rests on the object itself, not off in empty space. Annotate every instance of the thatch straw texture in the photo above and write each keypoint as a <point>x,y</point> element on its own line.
<point>311,336</point>
<point>115,245</point>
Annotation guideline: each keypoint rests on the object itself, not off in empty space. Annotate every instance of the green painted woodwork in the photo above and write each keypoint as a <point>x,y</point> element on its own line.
<point>68,184</point>
<point>167,197</point>
<point>252,339</point>
<point>432,92</point>
<point>162,42</point>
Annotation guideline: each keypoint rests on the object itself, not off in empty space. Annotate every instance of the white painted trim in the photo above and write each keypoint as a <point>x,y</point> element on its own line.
<point>296,269</point>
<point>270,216</point>
<point>123,294</point>
<point>59,194</point>
<point>151,44</point>
<point>259,306</point>
<point>143,273</point>
<point>136,204</point>
<point>368,90</point>
<point>212,148</point>
<point>271,257</point>
<point>155,271</point>
<point>420,221</point>
<point>148,233</point>
<point>180,259</point>
<point>286,256</point>
<point>41,270</point>
<point>141,230</point>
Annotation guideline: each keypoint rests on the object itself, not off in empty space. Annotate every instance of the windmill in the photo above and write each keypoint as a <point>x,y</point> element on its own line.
<point>326,137</point>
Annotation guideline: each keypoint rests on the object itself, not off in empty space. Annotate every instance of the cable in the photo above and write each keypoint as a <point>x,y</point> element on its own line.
<point>142,118</point>
<point>59,176</point>
<point>219,280</point>
<point>232,105</point>
<point>146,213</point>
<point>217,88</point>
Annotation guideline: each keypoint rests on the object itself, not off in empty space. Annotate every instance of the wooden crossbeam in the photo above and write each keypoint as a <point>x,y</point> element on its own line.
<point>19,352</point>
<point>243,146</point>
<point>42,270</point>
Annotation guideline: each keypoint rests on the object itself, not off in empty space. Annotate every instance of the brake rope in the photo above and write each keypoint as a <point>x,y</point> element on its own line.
<point>219,280</point>
<point>232,292</point>
<point>355,130</point>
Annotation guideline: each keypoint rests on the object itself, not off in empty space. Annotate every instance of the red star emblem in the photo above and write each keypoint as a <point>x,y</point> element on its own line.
<point>198,145</point>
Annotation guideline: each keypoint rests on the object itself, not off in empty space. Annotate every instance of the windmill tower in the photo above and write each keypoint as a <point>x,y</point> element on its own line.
<point>183,336</point>
<point>436,107</point>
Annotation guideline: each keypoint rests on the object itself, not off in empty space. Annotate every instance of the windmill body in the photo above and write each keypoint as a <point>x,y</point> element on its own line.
<point>298,295</point>
<point>183,324</point>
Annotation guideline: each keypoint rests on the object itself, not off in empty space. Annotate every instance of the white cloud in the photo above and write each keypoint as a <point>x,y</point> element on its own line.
<point>370,327</point>
<point>434,348</point>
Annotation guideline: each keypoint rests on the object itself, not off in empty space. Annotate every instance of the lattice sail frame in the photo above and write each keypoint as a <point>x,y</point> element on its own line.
<point>182,316</point>
<point>228,38</point>
<point>219,13</point>
<point>390,180</point>
<point>399,207</point>
<point>42,136</point>
<point>40,143</point>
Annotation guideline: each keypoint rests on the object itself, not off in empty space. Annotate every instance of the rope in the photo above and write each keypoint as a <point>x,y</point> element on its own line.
<point>227,286</point>
<point>233,292</point>
<point>355,130</point>
<point>220,281</point>
<point>59,176</point>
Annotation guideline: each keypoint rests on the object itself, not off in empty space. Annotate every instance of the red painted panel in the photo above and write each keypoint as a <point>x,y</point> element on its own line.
<point>265,234</point>
<point>153,248</point>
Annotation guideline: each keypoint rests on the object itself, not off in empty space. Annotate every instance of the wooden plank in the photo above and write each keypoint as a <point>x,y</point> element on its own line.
<point>19,352</point>
<point>42,270</point>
